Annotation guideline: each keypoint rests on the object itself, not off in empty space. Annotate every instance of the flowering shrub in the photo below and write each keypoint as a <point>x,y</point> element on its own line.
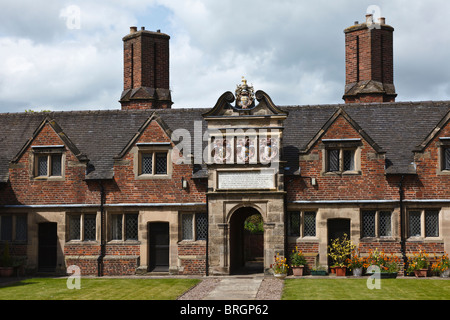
<point>297,258</point>
<point>280,265</point>
<point>340,250</point>
<point>442,264</point>
<point>386,263</point>
<point>418,261</point>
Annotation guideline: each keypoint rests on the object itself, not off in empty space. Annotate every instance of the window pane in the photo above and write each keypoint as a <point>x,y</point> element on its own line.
<point>333,160</point>
<point>89,227</point>
<point>294,223</point>
<point>147,163</point>
<point>186,224</point>
<point>6,228</point>
<point>131,224</point>
<point>42,166</point>
<point>21,227</point>
<point>431,223</point>
<point>161,163</point>
<point>310,224</point>
<point>368,224</point>
<point>414,224</point>
<point>116,227</point>
<point>74,227</point>
<point>349,160</point>
<point>201,226</point>
<point>447,159</point>
<point>385,224</point>
<point>56,165</point>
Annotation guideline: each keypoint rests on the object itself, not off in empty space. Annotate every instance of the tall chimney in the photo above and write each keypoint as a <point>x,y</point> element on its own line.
<point>369,67</point>
<point>146,70</point>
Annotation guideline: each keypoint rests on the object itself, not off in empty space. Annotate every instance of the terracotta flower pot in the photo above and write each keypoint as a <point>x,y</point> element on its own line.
<point>420,273</point>
<point>297,270</point>
<point>340,271</point>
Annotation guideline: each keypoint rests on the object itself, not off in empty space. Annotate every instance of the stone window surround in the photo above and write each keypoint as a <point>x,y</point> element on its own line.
<point>422,237</point>
<point>142,148</point>
<point>377,225</point>
<point>342,144</point>
<point>302,212</point>
<point>109,227</point>
<point>39,151</point>
<point>82,215</point>
<point>194,228</point>
<point>442,144</point>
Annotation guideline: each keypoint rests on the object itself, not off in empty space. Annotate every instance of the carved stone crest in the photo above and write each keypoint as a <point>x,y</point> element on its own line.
<point>245,96</point>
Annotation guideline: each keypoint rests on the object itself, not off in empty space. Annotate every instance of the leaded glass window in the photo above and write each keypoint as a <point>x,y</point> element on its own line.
<point>89,227</point>
<point>56,165</point>
<point>21,227</point>
<point>116,226</point>
<point>414,224</point>
<point>187,226</point>
<point>432,223</point>
<point>294,223</point>
<point>42,166</point>
<point>368,223</point>
<point>310,224</point>
<point>161,163</point>
<point>349,160</point>
<point>201,226</point>
<point>131,226</point>
<point>333,160</point>
<point>447,158</point>
<point>74,227</point>
<point>147,163</point>
<point>385,224</point>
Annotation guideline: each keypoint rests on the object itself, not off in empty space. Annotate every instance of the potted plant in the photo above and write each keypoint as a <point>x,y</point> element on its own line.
<point>6,264</point>
<point>339,250</point>
<point>442,266</point>
<point>355,263</point>
<point>280,268</point>
<point>387,264</point>
<point>298,262</point>
<point>418,264</point>
<point>319,271</point>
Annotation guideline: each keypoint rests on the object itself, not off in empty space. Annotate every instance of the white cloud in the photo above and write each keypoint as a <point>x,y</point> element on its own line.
<point>293,50</point>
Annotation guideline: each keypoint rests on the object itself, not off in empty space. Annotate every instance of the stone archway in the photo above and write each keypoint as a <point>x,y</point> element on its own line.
<point>246,247</point>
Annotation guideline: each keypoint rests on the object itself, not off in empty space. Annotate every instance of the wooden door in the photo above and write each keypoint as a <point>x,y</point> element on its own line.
<point>158,246</point>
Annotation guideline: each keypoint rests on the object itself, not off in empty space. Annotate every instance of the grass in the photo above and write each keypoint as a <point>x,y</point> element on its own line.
<point>97,289</point>
<point>356,289</point>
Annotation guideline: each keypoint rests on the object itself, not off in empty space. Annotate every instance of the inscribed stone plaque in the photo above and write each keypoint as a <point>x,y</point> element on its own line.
<point>239,180</point>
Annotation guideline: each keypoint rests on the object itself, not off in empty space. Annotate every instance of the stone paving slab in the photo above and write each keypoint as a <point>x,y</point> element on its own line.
<point>235,288</point>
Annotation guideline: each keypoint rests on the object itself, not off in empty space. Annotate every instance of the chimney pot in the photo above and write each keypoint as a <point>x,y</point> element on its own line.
<point>142,28</point>
<point>133,29</point>
<point>159,31</point>
<point>356,22</point>
<point>369,18</point>
<point>382,20</point>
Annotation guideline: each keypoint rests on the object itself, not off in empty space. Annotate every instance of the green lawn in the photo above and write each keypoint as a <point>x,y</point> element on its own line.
<point>356,289</point>
<point>97,289</point>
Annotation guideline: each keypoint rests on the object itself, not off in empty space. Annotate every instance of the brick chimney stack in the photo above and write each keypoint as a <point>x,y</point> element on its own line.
<point>146,70</point>
<point>369,62</point>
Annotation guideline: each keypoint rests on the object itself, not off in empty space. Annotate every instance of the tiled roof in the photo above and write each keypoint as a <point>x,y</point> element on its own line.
<point>398,128</point>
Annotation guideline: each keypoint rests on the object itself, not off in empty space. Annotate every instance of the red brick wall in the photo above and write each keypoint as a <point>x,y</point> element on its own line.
<point>193,266</point>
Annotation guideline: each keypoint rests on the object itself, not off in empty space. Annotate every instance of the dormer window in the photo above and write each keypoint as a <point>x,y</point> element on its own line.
<point>153,160</point>
<point>341,156</point>
<point>444,150</point>
<point>48,161</point>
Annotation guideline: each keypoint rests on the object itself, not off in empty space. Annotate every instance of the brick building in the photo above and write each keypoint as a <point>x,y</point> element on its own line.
<point>149,188</point>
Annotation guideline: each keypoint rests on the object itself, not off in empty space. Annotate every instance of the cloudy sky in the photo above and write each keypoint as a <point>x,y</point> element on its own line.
<point>67,55</point>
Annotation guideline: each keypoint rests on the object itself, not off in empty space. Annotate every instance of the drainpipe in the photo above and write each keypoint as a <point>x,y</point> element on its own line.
<point>207,238</point>
<point>102,238</point>
<point>402,224</point>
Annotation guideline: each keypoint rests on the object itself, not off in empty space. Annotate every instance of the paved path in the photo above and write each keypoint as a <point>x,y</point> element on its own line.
<point>236,288</point>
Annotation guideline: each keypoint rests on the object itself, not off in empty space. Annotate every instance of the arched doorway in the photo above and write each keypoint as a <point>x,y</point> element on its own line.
<point>246,241</point>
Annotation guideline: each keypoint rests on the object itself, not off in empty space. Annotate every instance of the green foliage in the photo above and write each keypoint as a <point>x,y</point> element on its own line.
<point>6,258</point>
<point>254,224</point>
